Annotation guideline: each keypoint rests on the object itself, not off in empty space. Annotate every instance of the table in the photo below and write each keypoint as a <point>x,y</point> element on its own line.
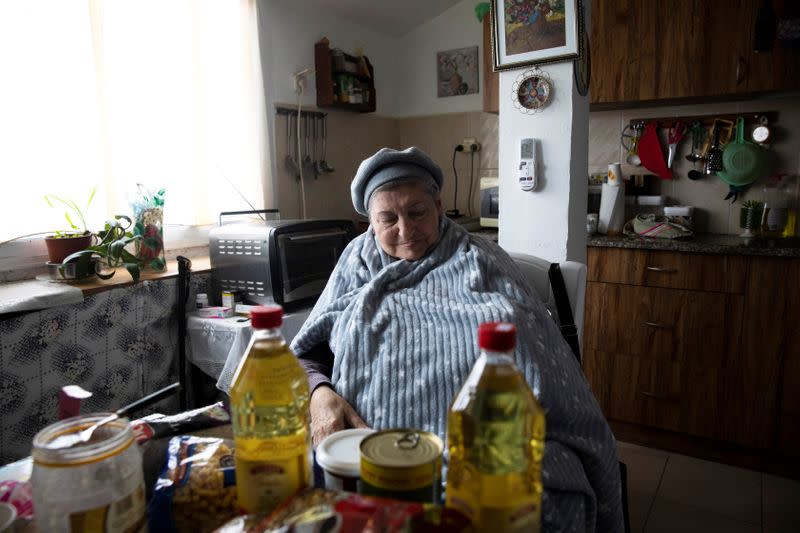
<point>216,345</point>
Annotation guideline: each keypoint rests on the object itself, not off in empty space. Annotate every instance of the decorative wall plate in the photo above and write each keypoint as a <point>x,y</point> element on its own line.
<point>532,91</point>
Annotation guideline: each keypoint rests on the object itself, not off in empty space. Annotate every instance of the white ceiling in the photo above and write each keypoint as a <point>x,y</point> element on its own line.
<point>393,17</point>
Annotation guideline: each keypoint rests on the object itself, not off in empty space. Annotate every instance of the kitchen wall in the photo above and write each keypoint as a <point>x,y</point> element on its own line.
<point>408,111</point>
<point>716,215</point>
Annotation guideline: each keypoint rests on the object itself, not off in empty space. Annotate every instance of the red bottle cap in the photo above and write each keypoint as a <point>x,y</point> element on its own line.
<point>497,336</point>
<point>266,317</point>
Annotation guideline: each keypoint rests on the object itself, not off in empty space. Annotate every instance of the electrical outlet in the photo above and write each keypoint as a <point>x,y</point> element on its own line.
<point>470,144</point>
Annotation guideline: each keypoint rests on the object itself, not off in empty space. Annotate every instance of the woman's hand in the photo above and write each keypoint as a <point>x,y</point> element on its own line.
<point>330,413</point>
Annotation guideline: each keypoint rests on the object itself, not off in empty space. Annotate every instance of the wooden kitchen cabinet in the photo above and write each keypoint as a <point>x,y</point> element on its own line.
<point>663,50</point>
<point>705,346</point>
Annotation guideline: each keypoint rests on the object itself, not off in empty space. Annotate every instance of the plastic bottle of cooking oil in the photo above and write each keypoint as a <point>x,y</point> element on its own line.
<point>269,406</point>
<point>495,434</point>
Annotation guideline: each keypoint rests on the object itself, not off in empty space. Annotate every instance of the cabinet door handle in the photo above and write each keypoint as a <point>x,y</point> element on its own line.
<point>661,269</point>
<point>740,70</point>
<point>654,395</point>
<point>658,325</point>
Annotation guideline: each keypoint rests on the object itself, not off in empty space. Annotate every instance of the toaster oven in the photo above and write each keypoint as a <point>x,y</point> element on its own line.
<point>287,262</point>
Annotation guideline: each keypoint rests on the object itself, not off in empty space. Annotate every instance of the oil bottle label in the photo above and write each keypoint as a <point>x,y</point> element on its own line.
<point>262,485</point>
<point>501,502</point>
<point>124,515</point>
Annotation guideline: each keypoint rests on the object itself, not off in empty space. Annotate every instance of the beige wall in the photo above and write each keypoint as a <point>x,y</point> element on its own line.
<point>352,137</point>
<point>716,215</point>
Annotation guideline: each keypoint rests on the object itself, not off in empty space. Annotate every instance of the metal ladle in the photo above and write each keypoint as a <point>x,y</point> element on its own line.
<point>324,164</point>
<point>291,164</point>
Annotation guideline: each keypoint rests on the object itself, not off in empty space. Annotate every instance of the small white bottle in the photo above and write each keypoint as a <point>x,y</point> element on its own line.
<point>201,300</point>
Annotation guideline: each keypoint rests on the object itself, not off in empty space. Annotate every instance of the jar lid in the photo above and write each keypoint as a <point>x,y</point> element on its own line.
<point>340,454</point>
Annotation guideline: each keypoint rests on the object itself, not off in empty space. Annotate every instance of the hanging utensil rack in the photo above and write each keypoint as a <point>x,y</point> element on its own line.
<point>750,118</point>
<point>280,110</point>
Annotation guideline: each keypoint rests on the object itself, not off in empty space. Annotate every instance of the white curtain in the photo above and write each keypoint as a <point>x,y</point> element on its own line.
<point>111,93</point>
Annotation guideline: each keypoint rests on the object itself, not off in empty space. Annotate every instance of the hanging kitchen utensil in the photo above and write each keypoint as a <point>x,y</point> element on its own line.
<point>291,164</point>
<point>714,155</point>
<point>743,162</point>
<point>319,168</point>
<point>698,133</point>
<point>651,154</point>
<point>629,139</point>
<point>674,138</point>
<point>325,164</point>
<point>308,165</point>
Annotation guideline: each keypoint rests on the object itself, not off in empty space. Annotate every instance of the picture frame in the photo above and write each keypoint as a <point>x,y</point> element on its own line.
<point>535,32</point>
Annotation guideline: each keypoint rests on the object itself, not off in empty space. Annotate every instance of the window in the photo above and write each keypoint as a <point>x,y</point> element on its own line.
<point>114,93</point>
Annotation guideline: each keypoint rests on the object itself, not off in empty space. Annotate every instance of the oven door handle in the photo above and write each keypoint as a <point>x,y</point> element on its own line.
<point>319,235</point>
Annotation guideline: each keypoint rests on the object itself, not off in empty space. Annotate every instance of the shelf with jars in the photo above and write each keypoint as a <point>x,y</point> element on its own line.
<point>344,81</point>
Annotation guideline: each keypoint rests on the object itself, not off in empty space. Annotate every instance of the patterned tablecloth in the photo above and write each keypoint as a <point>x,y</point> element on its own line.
<point>216,345</point>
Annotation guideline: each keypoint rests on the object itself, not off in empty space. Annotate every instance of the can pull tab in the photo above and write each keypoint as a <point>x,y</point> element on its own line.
<point>408,441</point>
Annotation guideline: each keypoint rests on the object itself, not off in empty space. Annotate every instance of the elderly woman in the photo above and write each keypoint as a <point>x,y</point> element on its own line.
<point>393,336</point>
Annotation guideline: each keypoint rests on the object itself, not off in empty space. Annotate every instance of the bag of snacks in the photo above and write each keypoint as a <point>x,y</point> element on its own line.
<point>325,510</point>
<point>196,491</point>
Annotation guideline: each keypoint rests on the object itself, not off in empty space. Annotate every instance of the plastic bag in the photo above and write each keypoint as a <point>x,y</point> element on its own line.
<point>148,216</point>
<point>196,491</point>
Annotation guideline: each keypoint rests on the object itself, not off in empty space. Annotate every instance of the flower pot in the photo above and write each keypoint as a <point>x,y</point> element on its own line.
<point>60,247</point>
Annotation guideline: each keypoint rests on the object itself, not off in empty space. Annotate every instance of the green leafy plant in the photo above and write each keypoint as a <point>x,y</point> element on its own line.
<point>111,249</point>
<point>72,207</point>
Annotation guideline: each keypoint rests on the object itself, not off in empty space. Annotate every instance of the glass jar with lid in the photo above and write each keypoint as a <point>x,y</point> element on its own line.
<point>96,485</point>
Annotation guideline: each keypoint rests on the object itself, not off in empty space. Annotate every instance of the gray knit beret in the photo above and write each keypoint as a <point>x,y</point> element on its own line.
<point>389,165</point>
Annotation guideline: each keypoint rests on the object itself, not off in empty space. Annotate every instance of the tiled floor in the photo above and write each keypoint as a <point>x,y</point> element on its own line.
<point>668,492</point>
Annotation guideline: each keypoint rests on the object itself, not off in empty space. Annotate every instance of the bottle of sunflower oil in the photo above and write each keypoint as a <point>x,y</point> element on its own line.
<point>269,407</point>
<point>495,433</point>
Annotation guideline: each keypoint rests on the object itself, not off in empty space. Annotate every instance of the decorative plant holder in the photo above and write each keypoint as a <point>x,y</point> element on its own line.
<point>148,216</point>
<point>750,218</point>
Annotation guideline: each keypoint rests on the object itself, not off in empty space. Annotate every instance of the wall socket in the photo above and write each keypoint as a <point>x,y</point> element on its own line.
<point>471,144</point>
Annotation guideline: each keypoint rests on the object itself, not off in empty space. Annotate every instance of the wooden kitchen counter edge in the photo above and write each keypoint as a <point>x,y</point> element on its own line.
<point>123,279</point>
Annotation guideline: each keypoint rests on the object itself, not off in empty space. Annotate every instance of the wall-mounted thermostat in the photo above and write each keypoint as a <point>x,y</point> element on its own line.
<point>527,165</point>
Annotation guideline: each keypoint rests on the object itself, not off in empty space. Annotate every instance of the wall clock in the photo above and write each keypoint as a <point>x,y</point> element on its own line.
<point>532,91</point>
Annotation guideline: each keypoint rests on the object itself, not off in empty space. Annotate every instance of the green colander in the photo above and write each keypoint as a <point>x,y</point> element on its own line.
<point>742,161</point>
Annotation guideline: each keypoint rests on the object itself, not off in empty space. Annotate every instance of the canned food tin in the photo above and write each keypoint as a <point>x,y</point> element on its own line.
<point>91,483</point>
<point>404,464</point>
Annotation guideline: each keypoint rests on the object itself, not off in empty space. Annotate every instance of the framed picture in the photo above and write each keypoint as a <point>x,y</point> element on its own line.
<point>457,72</point>
<point>533,32</point>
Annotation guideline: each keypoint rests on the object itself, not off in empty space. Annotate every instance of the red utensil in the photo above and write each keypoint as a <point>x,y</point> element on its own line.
<point>651,154</point>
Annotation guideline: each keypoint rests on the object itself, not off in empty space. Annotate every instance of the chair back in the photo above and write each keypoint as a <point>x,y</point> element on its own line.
<point>537,271</point>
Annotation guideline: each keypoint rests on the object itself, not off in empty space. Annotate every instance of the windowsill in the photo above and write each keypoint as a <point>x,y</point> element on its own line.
<point>123,279</point>
<point>200,264</point>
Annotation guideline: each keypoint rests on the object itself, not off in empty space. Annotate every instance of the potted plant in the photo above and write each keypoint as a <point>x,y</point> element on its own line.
<point>109,252</point>
<point>65,242</point>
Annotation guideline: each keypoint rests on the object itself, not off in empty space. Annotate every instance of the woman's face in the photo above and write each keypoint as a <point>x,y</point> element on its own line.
<point>405,220</point>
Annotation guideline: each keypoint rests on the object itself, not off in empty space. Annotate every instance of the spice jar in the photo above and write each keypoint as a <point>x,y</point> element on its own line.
<point>96,482</point>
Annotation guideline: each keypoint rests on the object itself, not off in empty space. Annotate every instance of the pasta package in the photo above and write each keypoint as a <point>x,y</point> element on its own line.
<point>196,491</point>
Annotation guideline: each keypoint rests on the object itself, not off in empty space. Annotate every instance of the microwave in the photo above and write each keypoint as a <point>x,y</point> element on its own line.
<point>285,262</point>
<point>490,206</point>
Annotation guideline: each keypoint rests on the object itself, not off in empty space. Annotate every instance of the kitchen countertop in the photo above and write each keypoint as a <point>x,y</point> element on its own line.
<point>704,243</point>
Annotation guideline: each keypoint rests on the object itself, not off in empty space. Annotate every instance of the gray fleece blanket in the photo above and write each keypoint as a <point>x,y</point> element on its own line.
<point>404,338</point>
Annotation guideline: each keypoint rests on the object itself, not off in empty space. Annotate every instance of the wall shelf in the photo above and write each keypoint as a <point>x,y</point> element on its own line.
<point>336,85</point>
